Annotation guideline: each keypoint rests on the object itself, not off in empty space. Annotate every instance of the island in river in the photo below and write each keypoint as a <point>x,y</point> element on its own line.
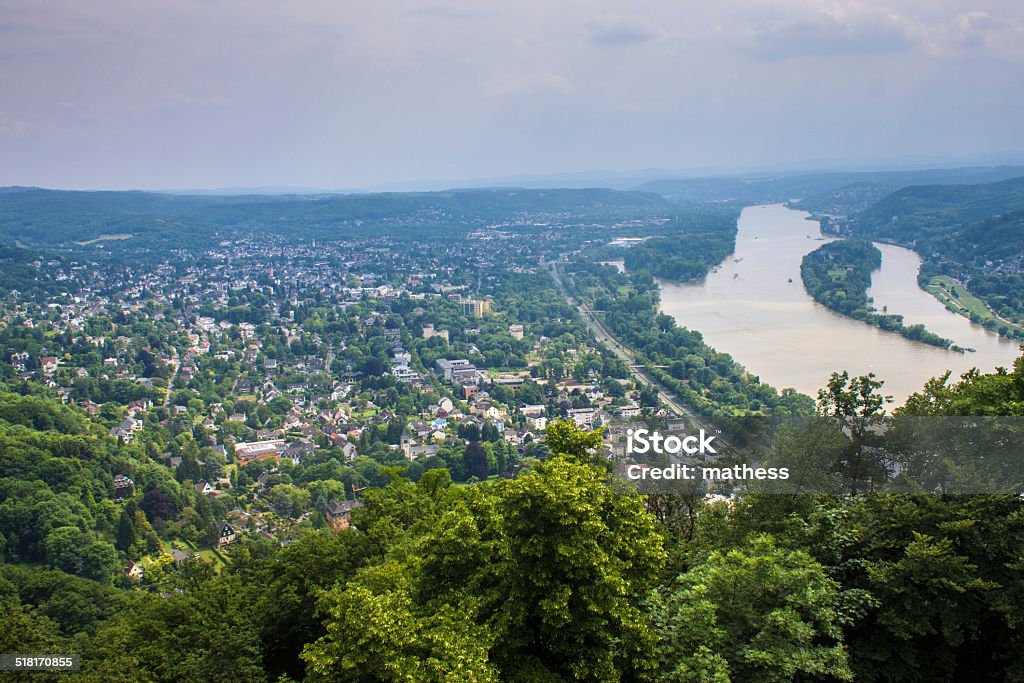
<point>753,307</point>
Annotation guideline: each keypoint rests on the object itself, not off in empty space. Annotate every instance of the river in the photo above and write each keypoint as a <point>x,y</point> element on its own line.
<point>754,307</point>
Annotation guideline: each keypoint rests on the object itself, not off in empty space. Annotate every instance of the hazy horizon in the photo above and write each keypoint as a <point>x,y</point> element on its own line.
<point>407,95</point>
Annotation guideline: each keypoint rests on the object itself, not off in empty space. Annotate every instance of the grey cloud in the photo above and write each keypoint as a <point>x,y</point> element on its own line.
<point>441,12</point>
<point>542,82</point>
<point>620,32</point>
<point>831,32</point>
<point>977,32</point>
<point>983,21</point>
<point>348,93</point>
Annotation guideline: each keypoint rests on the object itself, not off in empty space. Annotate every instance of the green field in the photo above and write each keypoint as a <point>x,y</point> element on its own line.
<point>208,553</point>
<point>955,297</point>
<point>105,238</point>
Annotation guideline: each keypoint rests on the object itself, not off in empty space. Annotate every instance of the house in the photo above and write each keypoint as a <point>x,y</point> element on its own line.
<point>126,430</point>
<point>204,488</point>
<point>49,365</point>
<point>299,449</point>
<point>242,519</point>
<point>20,360</point>
<point>538,422</point>
<point>583,417</point>
<point>339,514</point>
<point>134,571</point>
<point>631,411</point>
<point>516,331</point>
<point>419,428</point>
<point>123,487</point>
<point>349,451</point>
<point>140,406</point>
<point>413,450</point>
<point>535,410</point>
<point>405,375</point>
<point>227,533</point>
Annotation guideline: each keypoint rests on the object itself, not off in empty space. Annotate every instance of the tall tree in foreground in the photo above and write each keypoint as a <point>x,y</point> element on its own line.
<point>857,405</point>
<point>758,613</point>
<point>546,572</point>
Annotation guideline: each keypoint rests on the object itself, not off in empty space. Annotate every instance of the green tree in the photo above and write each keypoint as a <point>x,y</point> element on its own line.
<point>381,634</point>
<point>565,438</point>
<point>72,550</point>
<point>476,460</point>
<point>857,405</point>
<point>758,613</point>
<point>570,557</point>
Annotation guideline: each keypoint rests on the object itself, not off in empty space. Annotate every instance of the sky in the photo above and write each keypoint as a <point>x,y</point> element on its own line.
<point>114,94</point>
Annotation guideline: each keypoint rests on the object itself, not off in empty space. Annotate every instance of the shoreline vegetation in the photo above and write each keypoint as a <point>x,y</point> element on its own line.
<point>956,297</point>
<point>967,233</point>
<point>838,274</point>
<point>949,291</point>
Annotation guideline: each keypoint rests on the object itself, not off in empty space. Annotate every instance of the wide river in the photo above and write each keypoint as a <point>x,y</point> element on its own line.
<point>754,307</point>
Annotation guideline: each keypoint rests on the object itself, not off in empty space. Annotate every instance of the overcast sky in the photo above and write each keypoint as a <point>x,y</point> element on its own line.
<point>338,94</point>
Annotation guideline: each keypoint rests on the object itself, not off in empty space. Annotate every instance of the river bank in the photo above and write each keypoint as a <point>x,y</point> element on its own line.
<point>754,307</point>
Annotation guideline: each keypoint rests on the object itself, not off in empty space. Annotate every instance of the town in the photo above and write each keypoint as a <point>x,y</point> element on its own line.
<point>274,380</point>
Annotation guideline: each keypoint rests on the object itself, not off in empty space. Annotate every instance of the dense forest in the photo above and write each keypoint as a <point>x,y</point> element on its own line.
<point>970,240</point>
<point>701,243</point>
<point>917,213</point>
<point>558,574</point>
<point>838,275</point>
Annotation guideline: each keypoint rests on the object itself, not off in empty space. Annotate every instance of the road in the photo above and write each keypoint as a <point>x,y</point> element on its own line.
<point>175,363</point>
<point>624,353</point>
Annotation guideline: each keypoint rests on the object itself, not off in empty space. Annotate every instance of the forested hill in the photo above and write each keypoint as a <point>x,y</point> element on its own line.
<point>920,212</point>
<point>819,188</point>
<point>53,217</point>
<point>691,251</point>
<point>973,234</point>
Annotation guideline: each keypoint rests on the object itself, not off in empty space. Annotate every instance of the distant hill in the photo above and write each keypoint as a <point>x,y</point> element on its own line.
<point>996,239</point>
<point>972,233</point>
<point>815,189</point>
<point>916,213</point>
<point>52,217</point>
